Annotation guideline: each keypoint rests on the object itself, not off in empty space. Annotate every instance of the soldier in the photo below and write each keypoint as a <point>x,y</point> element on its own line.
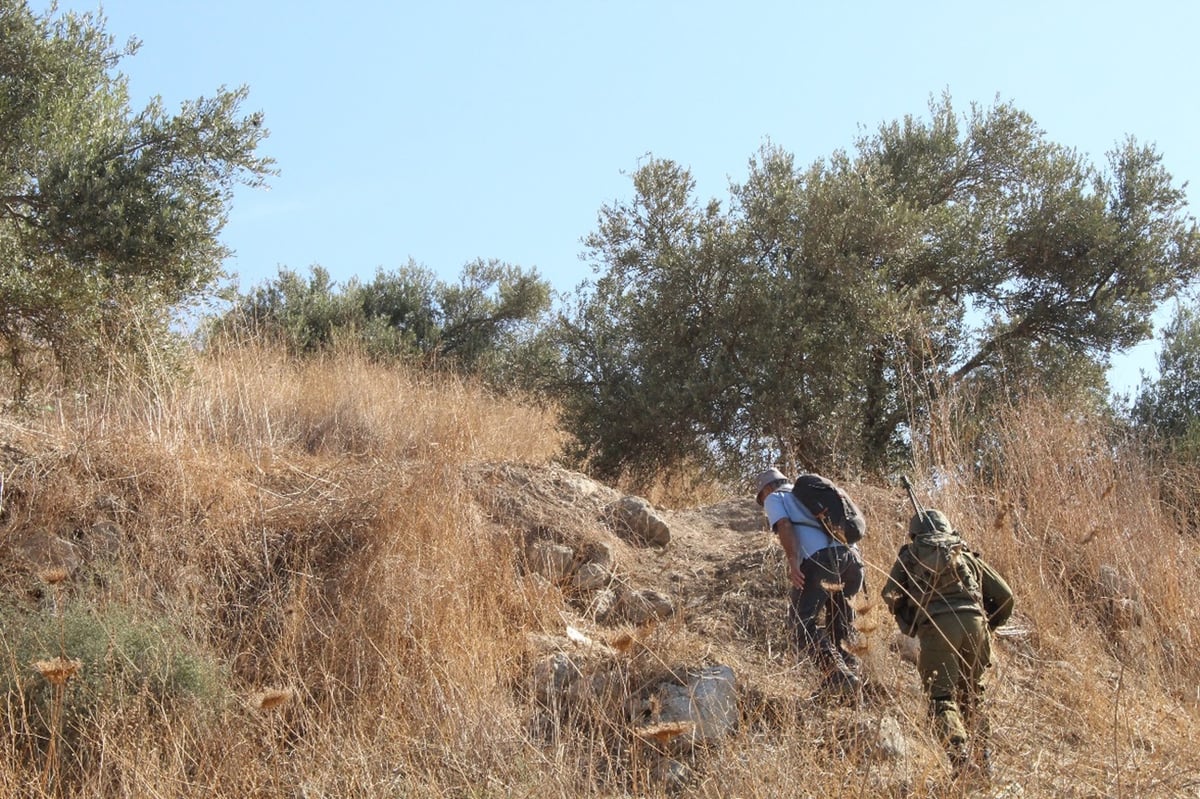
<point>950,599</point>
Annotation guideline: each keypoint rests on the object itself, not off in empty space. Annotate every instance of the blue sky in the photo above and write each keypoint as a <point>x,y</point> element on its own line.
<point>445,131</point>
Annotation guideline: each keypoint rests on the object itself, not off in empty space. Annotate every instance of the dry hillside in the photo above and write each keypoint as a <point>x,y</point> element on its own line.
<point>1063,726</point>
<point>332,579</point>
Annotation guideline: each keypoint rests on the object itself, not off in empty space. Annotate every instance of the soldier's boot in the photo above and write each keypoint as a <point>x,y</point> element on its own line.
<point>949,729</point>
<point>969,764</point>
<point>960,758</point>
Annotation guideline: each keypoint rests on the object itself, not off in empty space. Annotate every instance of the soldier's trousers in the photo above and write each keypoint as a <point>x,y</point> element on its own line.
<point>955,652</point>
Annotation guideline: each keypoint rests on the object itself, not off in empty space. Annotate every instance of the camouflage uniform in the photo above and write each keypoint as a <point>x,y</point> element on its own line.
<point>953,626</point>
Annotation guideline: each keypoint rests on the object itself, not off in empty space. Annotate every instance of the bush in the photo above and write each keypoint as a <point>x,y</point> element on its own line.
<point>120,665</point>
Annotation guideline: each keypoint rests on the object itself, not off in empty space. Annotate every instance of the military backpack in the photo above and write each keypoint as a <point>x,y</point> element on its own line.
<point>941,570</point>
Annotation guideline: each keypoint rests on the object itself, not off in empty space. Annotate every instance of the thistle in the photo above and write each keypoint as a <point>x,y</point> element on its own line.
<point>271,699</point>
<point>58,670</point>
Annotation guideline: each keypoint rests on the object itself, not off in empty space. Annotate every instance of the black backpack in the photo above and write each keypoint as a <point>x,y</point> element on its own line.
<point>836,512</point>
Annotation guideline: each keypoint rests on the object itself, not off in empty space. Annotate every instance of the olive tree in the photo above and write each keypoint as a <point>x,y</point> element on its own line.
<point>489,322</point>
<point>1169,405</point>
<point>815,317</point>
<point>108,215</point>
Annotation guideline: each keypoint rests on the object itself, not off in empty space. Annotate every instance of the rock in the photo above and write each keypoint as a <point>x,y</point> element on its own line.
<point>553,561</point>
<point>1111,584</point>
<point>1120,599</point>
<point>547,643</point>
<point>638,517</point>
<point>708,701</point>
<point>534,582</point>
<point>102,540</point>
<point>43,551</point>
<point>891,743</point>
<point>605,606</point>
<point>551,678</point>
<point>591,577</point>
<point>598,691</point>
<point>1126,613</point>
<point>601,554</point>
<point>642,605</point>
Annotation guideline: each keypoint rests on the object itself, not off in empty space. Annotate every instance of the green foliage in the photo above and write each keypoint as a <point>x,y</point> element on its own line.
<point>105,213</point>
<point>130,665</point>
<point>1169,407</point>
<point>487,323</point>
<point>486,310</point>
<point>399,311</point>
<point>304,314</point>
<point>816,318</point>
<point>641,362</point>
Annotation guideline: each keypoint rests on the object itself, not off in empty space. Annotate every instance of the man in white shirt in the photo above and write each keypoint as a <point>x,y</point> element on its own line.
<point>823,572</point>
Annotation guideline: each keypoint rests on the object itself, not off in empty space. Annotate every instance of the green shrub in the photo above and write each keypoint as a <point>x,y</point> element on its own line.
<point>137,669</point>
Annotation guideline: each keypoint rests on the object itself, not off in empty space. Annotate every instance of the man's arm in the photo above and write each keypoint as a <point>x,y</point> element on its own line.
<point>897,595</point>
<point>786,534</point>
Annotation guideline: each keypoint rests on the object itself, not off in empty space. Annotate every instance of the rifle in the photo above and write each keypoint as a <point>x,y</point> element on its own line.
<point>912,497</point>
<point>930,528</point>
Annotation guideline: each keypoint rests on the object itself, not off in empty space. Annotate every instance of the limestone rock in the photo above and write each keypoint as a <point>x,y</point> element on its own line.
<point>553,561</point>
<point>551,677</point>
<point>638,517</point>
<point>708,701</point>
<point>605,606</point>
<point>591,577</point>
<point>890,741</point>
<point>102,540</point>
<point>642,605</point>
<point>1121,601</point>
<point>41,550</point>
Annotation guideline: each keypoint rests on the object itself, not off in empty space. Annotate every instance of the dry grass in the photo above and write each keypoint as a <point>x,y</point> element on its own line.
<point>308,524</point>
<point>309,527</point>
<point>1102,696</point>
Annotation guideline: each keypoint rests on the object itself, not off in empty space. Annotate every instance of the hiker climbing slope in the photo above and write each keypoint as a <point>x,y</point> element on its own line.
<point>950,599</point>
<point>824,573</point>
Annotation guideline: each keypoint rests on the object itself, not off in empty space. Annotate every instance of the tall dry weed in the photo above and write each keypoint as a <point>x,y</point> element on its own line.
<point>309,518</point>
<point>311,525</point>
<point>1066,506</point>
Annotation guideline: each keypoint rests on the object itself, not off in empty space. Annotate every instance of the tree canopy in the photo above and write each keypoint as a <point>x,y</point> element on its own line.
<point>1169,406</point>
<point>106,212</point>
<point>489,322</point>
<point>814,318</point>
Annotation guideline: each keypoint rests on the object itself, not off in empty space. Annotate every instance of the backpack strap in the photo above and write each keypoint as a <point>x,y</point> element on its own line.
<point>812,524</point>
